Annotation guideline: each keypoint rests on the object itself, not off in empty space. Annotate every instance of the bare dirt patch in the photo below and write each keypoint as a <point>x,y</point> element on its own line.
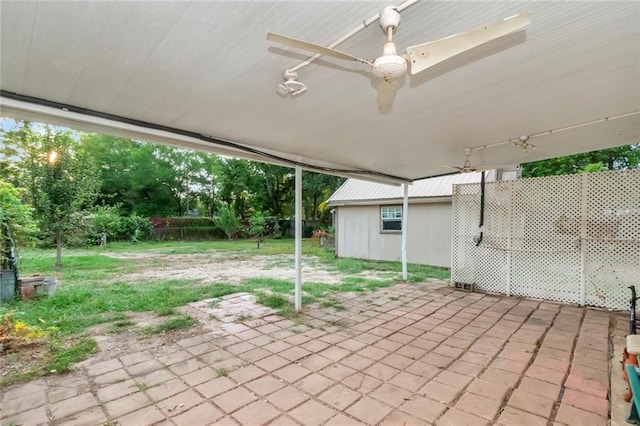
<point>216,267</point>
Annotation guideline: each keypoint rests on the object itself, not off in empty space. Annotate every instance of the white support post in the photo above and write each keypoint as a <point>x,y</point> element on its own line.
<point>405,215</point>
<point>509,237</point>
<point>584,193</point>
<point>298,239</point>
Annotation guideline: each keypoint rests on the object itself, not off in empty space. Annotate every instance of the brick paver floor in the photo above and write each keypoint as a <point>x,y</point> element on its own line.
<point>411,354</point>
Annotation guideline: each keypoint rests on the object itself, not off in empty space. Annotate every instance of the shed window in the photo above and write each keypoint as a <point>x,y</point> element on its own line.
<point>391,218</point>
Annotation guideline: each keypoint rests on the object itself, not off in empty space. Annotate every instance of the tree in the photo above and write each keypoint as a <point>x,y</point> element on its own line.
<point>316,188</point>
<point>180,167</point>
<point>236,184</point>
<point>60,179</point>
<point>132,176</point>
<point>228,221</point>
<point>256,226</point>
<point>623,157</point>
<point>206,183</point>
<point>274,189</point>
<point>16,214</point>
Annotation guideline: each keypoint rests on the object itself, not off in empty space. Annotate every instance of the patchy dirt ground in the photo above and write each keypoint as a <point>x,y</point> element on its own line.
<point>213,267</point>
<point>229,268</point>
<point>209,268</point>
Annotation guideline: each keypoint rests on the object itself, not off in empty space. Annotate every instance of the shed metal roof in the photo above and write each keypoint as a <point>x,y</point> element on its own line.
<point>356,191</point>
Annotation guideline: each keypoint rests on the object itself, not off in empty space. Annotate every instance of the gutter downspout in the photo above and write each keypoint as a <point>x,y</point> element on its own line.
<point>482,182</point>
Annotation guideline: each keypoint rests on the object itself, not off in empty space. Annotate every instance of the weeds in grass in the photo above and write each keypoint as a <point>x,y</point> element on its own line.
<point>243,317</point>
<point>274,285</point>
<point>274,301</point>
<point>64,357</point>
<point>181,322</point>
<point>119,326</point>
<point>332,303</point>
<point>334,322</point>
<point>165,311</point>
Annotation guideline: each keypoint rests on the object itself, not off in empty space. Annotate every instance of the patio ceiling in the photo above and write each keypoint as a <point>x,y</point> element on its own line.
<point>206,68</point>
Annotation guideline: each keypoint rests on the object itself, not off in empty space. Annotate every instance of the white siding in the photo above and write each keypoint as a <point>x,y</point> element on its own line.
<point>429,237</point>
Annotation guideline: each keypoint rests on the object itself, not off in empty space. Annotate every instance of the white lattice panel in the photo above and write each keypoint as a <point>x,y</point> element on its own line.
<point>573,239</point>
<point>612,255</point>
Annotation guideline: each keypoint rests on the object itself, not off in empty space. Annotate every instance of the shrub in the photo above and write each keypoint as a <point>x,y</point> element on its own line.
<point>17,215</point>
<point>228,221</point>
<point>257,225</point>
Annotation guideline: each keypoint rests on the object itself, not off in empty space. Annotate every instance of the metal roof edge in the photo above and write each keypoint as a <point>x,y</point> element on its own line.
<point>388,201</point>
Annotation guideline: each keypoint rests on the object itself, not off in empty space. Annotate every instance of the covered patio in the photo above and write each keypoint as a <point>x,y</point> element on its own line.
<point>412,354</point>
<point>202,75</point>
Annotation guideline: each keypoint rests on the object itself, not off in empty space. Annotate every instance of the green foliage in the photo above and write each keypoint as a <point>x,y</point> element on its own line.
<point>593,168</point>
<point>187,228</point>
<point>332,303</point>
<point>64,357</point>
<point>228,221</point>
<point>273,301</point>
<point>106,223</point>
<point>61,180</point>
<point>18,215</point>
<point>235,182</point>
<point>257,224</point>
<point>316,189</point>
<point>131,175</point>
<point>623,157</point>
<point>274,189</point>
<point>181,322</point>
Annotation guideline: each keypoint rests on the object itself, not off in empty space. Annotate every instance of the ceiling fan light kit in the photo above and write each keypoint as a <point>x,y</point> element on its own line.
<point>523,142</point>
<point>291,87</point>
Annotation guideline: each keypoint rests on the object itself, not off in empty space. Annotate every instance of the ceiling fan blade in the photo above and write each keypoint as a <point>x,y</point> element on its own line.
<point>386,94</point>
<point>459,168</point>
<point>429,54</point>
<point>293,42</point>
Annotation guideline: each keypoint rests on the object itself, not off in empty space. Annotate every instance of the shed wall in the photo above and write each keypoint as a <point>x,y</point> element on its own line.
<point>429,234</point>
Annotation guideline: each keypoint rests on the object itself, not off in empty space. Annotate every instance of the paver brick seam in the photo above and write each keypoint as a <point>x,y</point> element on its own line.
<point>93,389</point>
<point>556,407</point>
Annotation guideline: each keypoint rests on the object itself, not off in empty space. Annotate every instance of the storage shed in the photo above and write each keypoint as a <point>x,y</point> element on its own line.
<point>368,218</point>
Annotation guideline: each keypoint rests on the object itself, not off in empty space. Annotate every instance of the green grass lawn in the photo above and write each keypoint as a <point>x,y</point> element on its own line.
<point>91,290</point>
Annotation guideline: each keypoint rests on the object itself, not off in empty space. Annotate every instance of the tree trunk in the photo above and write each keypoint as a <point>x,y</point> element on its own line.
<point>315,207</point>
<point>58,249</point>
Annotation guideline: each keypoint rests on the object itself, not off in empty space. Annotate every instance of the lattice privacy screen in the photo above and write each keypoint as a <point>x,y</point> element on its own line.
<point>572,239</point>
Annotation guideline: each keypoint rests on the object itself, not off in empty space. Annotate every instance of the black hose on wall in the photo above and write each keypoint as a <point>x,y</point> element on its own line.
<point>479,240</point>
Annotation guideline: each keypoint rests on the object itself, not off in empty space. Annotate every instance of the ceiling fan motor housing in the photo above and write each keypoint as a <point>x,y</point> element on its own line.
<point>389,17</point>
<point>389,66</point>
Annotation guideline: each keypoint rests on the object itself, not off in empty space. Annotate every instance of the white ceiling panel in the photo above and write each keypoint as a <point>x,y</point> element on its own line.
<point>206,68</point>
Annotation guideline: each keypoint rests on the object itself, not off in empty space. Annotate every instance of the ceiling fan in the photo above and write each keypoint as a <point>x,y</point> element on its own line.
<point>467,167</point>
<point>390,65</point>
